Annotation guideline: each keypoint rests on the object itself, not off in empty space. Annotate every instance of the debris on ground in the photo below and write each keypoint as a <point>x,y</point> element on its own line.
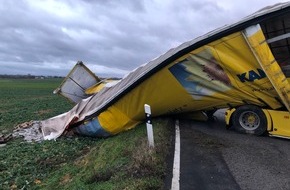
<point>24,125</point>
<point>5,138</point>
<point>30,131</point>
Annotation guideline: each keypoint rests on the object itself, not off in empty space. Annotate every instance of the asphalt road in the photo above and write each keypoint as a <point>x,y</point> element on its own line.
<point>215,158</point>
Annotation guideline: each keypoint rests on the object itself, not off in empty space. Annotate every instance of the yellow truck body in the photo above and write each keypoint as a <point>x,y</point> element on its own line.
<point>243,67</point>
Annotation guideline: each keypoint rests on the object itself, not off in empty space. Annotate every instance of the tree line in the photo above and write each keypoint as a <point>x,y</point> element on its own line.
<point>28,76</point>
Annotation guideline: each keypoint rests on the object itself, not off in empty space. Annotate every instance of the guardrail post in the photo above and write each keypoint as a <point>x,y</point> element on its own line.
<point>149,125</point>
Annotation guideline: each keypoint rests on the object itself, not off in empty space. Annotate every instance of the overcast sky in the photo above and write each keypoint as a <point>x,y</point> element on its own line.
<point>112,37</point>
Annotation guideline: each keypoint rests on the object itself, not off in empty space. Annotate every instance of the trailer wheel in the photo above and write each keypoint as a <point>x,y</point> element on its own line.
<point>249,119</point>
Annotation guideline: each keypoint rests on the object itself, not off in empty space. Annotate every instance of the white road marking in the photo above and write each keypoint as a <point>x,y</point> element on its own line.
<point>176,162</point>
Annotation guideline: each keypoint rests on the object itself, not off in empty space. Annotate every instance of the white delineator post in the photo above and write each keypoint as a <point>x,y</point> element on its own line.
<point>149,125</point>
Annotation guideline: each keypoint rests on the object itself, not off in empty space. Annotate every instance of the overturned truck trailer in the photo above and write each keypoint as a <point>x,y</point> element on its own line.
<point>244,67</point>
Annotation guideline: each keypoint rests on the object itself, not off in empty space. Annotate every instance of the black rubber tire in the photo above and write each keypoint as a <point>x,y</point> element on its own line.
<point>242,123</point>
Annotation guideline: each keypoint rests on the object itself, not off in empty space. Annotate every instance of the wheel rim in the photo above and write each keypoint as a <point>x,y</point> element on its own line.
<point>249,120</point>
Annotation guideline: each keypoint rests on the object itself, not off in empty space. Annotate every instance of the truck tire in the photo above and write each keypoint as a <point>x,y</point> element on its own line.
<point>249,119</point>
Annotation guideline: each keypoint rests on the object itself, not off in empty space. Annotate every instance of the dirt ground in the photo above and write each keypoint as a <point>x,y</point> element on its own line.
<point>215,158</point>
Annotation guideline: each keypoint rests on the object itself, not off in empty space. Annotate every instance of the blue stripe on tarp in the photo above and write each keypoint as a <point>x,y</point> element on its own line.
<point>92,128</point>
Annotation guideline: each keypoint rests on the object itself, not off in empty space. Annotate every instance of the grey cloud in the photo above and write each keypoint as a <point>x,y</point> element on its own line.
<point>112,36</point>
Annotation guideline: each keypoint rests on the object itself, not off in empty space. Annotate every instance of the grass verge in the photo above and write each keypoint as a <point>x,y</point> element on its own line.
<point>120,162</point>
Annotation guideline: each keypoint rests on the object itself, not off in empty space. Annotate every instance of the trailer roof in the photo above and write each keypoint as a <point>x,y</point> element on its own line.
<point>144,71</point>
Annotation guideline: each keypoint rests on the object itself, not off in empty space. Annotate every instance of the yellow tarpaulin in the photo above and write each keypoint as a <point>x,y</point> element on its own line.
<point>224,72</point>
<point>228,67</point>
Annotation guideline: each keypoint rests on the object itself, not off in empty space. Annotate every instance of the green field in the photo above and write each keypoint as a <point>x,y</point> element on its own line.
<point>120,162</point>
<point>29,99</point>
